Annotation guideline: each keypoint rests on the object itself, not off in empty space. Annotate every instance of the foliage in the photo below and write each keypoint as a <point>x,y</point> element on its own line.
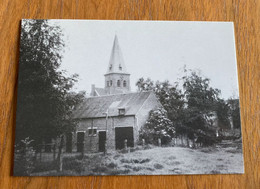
<point>223,113</point>
<point>24,158</point>
<point>45,101</point>
<point>235,112</point>
<point>157,126</point>
<point>196,110</point>
<point>201,100</point>
<point>169,96</point>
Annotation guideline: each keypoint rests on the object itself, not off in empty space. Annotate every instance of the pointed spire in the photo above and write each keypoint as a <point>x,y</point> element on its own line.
<point>116,62</point>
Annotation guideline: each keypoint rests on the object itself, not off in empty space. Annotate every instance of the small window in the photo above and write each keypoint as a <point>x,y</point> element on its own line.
<point>121,111</point>
<point>120,67</point>
<point>92,132</point>
<point>107,83</point>
<point>118,83</point>
<point>110,67</point>
<point>124,84</point>
<point>111,82</point>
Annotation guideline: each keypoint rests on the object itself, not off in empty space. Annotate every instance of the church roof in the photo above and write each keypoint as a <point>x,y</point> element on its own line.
<point>96,107</point>
<point>116,62</point>
<point>100,91</point>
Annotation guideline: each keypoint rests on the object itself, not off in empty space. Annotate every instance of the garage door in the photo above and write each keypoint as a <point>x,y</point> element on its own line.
<point>123,133</point>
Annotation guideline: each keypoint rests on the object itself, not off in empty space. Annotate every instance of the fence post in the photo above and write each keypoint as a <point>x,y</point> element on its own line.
<point>54,152</point>
<point>40,153</point>
<point>60,155</point>
<point>83,150</point>
<point>159,142</point>
<point>125,144</point>
<point>143,143</point>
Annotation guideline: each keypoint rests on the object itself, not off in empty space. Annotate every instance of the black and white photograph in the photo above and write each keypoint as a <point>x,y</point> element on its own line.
<point>111,97</point>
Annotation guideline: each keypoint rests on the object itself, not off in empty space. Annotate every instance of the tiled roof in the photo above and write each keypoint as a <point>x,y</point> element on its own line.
<point>98,106</point>
<point>101,91</point>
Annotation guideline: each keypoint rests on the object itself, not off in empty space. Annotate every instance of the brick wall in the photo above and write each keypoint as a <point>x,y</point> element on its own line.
<point>91,142</point>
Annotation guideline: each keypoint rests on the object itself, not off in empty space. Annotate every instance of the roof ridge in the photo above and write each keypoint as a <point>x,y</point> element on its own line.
<point>120,94</point>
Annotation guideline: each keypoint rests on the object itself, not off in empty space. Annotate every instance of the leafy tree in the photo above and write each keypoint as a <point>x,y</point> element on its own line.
<point>235,112</point>
<point>223,113</point>
<point>45,101</point>
<point>202,102</point>
<point>169,96</point>
<point>145,84</point>
<point>157,126</point>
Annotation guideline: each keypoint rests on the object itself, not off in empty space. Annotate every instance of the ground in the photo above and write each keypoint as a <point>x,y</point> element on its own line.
<point>224,158</point>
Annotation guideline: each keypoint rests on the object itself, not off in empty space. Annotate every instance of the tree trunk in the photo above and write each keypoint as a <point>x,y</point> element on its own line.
<point>59,158</point>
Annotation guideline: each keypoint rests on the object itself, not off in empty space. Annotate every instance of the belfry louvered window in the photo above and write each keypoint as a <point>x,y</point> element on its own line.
<point>118,83</point>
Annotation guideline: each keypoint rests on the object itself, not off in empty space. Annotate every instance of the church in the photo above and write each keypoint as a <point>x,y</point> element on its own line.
<point>113,115</point>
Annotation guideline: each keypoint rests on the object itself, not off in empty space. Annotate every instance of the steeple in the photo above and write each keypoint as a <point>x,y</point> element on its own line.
<point>116,62</point>
<point>117,79</point>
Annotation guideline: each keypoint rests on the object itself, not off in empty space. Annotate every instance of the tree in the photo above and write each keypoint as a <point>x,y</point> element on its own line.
<point>169,96</point>
<point>223,113</point>
<point>157,126</point>
<point>202,106</point>
<point>235,112</point>
<point>45,101</point>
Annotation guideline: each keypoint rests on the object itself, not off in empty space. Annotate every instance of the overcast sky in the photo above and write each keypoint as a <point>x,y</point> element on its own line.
<point>158,50</point>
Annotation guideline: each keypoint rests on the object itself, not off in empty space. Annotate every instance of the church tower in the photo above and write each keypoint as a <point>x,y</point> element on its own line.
<point>117,79</point>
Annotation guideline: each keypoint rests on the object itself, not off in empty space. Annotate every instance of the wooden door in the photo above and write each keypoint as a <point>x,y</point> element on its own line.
<point>80,141</point>
<point>123,133</point>
<point>102,135</point>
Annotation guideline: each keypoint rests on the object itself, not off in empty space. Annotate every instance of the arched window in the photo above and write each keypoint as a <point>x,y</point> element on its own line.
<point>107,83</point>
<point>124,84</point>
<point>111,83</point>
<point>118,83</point>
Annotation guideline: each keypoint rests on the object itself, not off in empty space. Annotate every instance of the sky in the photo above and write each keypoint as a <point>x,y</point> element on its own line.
<point>155,49</point>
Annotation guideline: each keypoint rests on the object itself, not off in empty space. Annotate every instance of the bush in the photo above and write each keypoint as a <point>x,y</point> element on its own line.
<point>24,156</point>
<point>72,163</point>
<point>158,166</point>
<point>157,126</point>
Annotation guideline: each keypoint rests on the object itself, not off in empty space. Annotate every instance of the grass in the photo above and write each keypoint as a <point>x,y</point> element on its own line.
<point>157,161</point>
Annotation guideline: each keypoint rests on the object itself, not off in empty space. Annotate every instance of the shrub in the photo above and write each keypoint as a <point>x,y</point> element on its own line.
<point>158,166</point>
<point>157,126</point>
<point>72,163</point>
<point>24,156</point>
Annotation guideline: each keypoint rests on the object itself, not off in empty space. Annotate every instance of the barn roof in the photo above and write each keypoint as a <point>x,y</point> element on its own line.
<point>94,107</point>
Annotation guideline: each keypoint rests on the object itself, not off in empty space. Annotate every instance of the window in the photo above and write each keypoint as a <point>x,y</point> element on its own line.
<point>111,82</point>
<point>124,84</point>
<point>120,67</point>
<point>107,83</point>
<point>121,111</point>
<point>118,83</point>
<point>92,132</point>
<point>110,67</point>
